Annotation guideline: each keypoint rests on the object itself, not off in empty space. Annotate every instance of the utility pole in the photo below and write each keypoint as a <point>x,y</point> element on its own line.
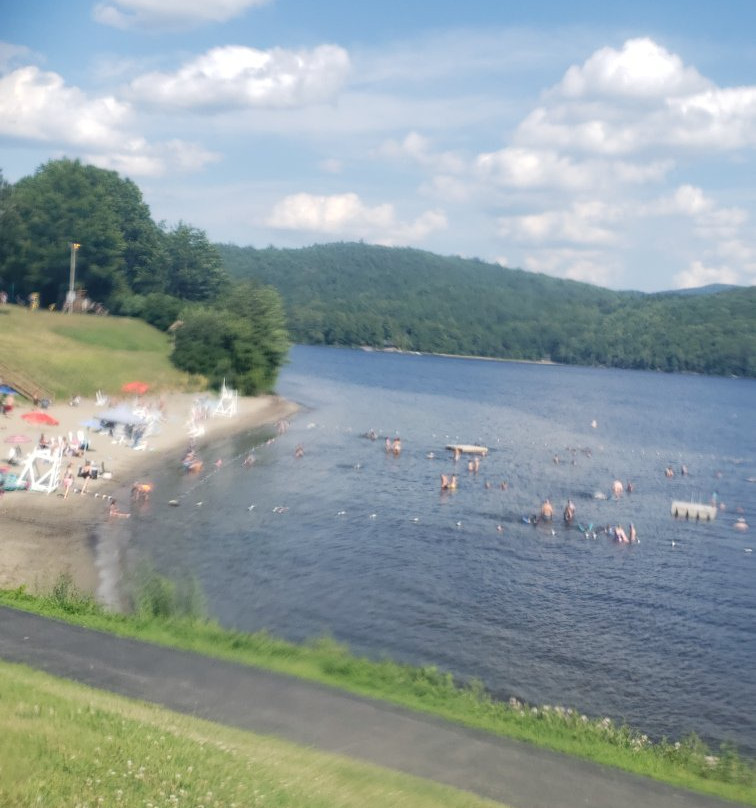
<point>71,296</point>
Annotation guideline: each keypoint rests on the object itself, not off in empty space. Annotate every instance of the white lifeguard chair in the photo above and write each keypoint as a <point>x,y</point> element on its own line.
<point>42,470</point>
<point>227,403</point>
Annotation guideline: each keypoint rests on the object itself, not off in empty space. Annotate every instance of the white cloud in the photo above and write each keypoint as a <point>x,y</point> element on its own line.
<point>699,275</point>
<point>642,69</point>
<point>418,149</point>
<point>346,215</point>
<point>588,266</point>
<point>235,76</point>
<point>167,14</point>
<point>583,223</point>
<point>637,98</point>
<point>722,119</point>
<point>520,167</point>
<point>140,158</point>
<point>14,55</point>
<point>39,106</point>
<point>710,220</point>
<point>331,165</point>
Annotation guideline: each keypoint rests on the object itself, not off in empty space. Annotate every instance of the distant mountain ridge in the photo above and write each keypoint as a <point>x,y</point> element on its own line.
<point>710,289</point>
<point>359,294</point>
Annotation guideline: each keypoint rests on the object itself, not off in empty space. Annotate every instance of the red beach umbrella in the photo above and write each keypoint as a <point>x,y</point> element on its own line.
<point>140,388</point>
<point>17,439</point>
<point>38,417</point>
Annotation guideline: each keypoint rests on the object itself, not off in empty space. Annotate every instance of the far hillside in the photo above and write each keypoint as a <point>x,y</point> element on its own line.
<point>358,294</point>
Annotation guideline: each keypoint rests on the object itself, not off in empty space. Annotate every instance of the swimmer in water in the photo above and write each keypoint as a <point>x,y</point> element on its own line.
<point>569,512</point>
<point>547,511</point>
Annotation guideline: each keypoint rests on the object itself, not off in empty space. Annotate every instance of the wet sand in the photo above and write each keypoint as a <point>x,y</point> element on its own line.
<point>44,536</point>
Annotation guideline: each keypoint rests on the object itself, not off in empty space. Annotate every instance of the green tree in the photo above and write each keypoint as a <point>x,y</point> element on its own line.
<point>65,202</point>
<point>242,340</point>
<point>193,266</point>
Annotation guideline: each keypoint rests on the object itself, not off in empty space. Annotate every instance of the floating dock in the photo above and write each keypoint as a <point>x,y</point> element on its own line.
<point>693,510</point>
<point>468,448</point>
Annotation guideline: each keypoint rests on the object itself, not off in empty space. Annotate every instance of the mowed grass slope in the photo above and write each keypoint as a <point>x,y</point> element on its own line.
<point>64,744</point>
<point>70,354</point>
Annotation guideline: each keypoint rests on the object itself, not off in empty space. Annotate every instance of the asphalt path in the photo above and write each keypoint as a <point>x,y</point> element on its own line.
<point>317,716</point>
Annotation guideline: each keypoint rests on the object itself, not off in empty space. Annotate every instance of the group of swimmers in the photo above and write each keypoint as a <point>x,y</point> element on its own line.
<point>394,446</point>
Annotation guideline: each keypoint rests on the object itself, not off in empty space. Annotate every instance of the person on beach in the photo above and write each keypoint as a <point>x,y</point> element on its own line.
<point>617,488</point>
<point>68,479</point>
<point>86,473</point>
<point>632,533</point>
<point>396,446</point>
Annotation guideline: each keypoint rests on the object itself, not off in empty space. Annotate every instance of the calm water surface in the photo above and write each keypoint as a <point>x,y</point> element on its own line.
<point>350,542</point>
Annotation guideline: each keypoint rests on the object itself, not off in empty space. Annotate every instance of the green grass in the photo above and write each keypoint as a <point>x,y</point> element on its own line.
<point>686,763</point>
<point>64,745</point>
<point>71,354</point>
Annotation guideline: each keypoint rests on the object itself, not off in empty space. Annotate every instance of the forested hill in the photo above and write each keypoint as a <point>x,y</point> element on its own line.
<point>358,294</point>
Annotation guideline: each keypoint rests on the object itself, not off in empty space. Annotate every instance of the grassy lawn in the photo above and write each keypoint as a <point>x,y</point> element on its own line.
<point>82,353</point>
<point>686,763</point>
<point>64,745</point>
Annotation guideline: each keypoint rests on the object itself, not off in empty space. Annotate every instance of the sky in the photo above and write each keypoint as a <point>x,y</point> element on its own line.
<point>606,142</point>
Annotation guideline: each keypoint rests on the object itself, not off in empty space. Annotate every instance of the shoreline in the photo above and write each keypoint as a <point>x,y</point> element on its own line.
<point>44,536</point>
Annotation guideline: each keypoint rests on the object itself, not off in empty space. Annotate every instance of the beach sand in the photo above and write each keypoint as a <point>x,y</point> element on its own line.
<point>44,536</point>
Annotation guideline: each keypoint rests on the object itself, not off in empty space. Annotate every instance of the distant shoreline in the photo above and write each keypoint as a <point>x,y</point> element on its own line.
<point>370,349</point>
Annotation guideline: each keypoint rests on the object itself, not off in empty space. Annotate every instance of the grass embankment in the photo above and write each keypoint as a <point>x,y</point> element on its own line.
<point>64,744</point>
<point>686,763</point>
<point>69,354</point>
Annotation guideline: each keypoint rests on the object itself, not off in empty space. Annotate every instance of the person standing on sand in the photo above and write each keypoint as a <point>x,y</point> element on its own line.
<point>68,479</point>
<point>86,473</point>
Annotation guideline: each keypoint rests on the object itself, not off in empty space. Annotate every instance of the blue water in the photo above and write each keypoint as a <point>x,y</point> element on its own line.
<point>351,542</point>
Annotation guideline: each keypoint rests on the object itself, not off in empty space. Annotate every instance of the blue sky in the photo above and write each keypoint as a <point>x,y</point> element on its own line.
<point>613,143</point>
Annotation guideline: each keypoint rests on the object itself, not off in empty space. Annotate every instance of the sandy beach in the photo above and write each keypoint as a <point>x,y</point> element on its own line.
<point>43,536</point>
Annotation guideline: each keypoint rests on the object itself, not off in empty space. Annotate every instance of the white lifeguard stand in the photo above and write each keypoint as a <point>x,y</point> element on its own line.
<point>42,470</point>
<point>227,403</point>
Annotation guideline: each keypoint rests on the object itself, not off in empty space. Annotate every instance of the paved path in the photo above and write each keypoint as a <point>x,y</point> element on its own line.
<point>518,774</point>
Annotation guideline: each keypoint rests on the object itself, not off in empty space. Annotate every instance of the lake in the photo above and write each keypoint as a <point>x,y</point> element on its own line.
<point>352,542</point>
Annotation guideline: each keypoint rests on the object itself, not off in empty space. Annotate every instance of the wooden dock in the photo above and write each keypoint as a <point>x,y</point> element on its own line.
<point>468,448</point>
<point>693,510</point>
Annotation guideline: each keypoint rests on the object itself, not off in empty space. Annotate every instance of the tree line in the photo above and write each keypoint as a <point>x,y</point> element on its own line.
<point>359,294</point>
<point>238,306</point>
<point>129,264</point>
